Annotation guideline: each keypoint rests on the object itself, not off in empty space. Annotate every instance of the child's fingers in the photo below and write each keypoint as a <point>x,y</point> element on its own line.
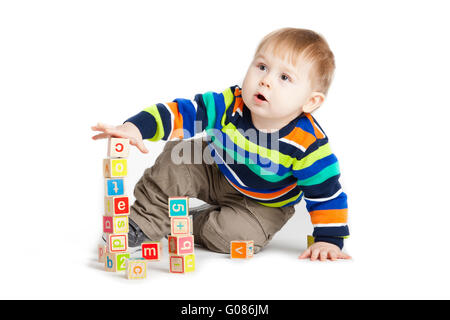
<point>105,125</point>
<point>344,256</point>
<point>101,127</point>
<point>305,254</point>
<point>315,254</point>
<point>116,133</point>
<point>142,147</point>
<point>323,255</point>
<point>139,144</point>
<point>101,136</point>
<point>111,131</point>
<point>333,256</point>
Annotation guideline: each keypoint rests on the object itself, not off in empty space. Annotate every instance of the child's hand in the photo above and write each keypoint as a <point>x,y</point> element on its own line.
<point>127,131</point>
<point>323,251</point>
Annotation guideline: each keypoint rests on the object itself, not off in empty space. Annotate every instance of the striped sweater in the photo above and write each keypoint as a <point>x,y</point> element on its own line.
<point>275,169</point>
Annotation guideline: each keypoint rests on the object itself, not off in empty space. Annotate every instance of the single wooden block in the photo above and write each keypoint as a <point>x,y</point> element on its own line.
<point>241,249</point>
<point>116,261</point>
<point>151,250</point>
<point>178,206</point>
<point>114,187</point>
<point>182,263</point>
<point>114,168</point>
<point>136,268</point>
<point>101,253</point>
<point>309,240</point>
<point>183,244</point>
<point>117,206</point>
<point>118,147</point>
<point>117,242</point>
<point>181,225</point>
<point>115,224</point>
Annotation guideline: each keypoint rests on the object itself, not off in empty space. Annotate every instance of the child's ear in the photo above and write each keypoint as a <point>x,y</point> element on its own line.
<point>314,102</point>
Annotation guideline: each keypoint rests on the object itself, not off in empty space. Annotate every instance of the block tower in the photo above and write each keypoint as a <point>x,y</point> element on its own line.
<point>181,240</point>
<point>117,207</point>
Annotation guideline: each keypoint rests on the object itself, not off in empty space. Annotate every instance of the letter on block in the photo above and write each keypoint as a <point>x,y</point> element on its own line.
<point>118,148</point>
<point>114,187</point>
<point>181,244</point>
<point>151,250</point>
<point>113,168</point>
<point>101,253</point>
<point>116,206</point>
<point>309,240</point>
<point>181,225</point>
<point>241,249</point>
<point>116,261</point>
<point>182,264</point>
<point>136,268</point>
<point>178,206</point>
<point>117,242</point>
<point>115,224</point>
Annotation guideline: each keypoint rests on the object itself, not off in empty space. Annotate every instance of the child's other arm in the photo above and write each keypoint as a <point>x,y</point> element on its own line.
<point>318,176</point>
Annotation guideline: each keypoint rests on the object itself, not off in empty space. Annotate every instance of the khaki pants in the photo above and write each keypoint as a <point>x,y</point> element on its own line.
<point>232,216</point>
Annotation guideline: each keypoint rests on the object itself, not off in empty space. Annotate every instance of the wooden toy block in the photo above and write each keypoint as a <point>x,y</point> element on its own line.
<point>101,253</point>
<point>151,250</point>
<point>116,261</point>
<point>113,168</point>
<point>181,225</point>
<point>178,206</point>
<point>118,147</point>
<point>183,244</point>
<point>115,224</point>
<point>114,187</point>
<point>116,206</point>
<point>136,268</point>
<point>309,240</point>
<point>182,264</point>
<point>117,242</point>
<point>241,249</point>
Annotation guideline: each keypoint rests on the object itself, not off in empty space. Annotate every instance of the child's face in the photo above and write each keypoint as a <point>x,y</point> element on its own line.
<point>275,90</point>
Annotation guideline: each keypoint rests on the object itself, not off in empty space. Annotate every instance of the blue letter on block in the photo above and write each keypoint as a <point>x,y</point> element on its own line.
<point>114,187</point>
<point>178,207</point>
<point>109,263</point>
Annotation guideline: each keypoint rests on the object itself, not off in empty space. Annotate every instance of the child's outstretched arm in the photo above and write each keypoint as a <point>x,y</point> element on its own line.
<point>127,130</point>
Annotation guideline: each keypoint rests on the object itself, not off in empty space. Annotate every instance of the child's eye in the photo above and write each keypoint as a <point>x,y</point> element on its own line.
<point>284,77</point>
<point>262,67</point>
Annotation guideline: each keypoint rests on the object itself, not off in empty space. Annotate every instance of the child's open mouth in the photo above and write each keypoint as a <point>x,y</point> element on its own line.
<point>259,98</point>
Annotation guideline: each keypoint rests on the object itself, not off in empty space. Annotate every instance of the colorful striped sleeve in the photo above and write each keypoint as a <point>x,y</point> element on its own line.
<point>183,118</point>
<point>317,171</point>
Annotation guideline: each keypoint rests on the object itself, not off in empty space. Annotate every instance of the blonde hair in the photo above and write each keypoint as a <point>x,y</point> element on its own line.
<point>293,43</point>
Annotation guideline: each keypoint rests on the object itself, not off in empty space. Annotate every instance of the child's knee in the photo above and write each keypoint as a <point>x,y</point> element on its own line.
<point>218,231</point>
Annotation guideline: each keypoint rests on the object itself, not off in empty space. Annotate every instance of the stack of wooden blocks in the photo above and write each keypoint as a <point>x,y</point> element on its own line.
<point>117,208</point>
<point>181,240</point>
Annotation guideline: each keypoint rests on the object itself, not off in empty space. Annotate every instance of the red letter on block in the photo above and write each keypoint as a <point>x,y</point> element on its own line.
<point>151,250</point>
<point>107,224</point>
<point>121,205</point>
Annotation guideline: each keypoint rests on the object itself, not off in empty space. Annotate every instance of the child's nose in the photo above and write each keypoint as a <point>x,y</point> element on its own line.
<point>265,82</point>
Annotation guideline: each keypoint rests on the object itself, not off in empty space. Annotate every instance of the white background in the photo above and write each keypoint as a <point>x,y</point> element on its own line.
<point>65,65</point>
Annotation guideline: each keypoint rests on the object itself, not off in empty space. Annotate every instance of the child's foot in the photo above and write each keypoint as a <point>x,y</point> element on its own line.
<point>135,237</point>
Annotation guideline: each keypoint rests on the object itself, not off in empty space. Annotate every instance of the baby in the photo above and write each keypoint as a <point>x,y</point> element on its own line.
<point>262,152</point>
